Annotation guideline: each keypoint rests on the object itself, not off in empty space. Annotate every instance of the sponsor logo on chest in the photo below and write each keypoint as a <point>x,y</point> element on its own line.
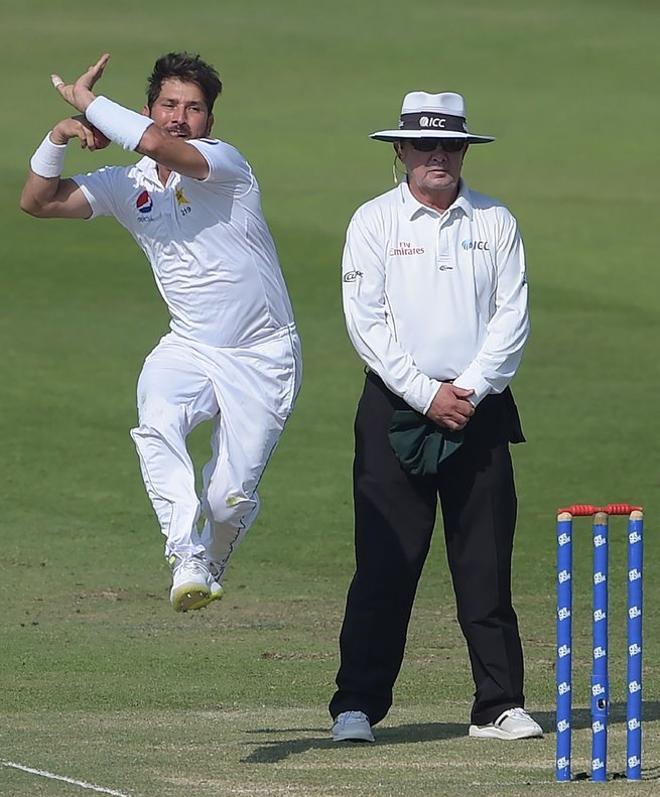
<point>406,249</point>
<point>144,203</point>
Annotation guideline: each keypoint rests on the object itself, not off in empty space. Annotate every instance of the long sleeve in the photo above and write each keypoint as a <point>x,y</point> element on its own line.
<point>499,356</point>
<point>366,312</point>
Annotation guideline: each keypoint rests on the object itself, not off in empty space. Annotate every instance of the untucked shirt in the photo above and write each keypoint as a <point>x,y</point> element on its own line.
<point>207,241</point>
<point>431,297</point>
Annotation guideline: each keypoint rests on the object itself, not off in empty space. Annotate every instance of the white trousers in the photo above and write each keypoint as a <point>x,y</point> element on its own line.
<point>249,393</point>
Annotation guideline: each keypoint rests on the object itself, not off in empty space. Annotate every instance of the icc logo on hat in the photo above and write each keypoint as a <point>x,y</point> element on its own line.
<point>426,115</point>
<point>425,121</point>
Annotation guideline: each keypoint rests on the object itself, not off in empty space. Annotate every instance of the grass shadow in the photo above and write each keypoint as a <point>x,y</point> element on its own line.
<point>581,717</point>
<point>278,750</point>
<point>581,720</point>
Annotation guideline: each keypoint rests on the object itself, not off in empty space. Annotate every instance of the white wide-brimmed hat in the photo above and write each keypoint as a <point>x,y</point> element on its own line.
<point>432,116</point>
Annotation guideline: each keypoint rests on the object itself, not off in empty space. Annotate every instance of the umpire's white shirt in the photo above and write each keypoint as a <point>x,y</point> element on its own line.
<point>431,297</point>
<point>208,243</point>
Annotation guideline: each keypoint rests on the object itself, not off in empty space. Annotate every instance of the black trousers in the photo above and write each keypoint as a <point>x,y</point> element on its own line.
<point>394,518</point>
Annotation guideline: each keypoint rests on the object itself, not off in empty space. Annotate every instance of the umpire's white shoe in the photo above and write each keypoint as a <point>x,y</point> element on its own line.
<point>514,723</point>
<point>192,584</point>
<point>352,726</point>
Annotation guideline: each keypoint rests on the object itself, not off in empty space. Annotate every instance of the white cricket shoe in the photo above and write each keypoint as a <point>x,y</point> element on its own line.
<point>514,723</point>
<point>193,586</point>
<point>352,726</point>
<point>216,573</point>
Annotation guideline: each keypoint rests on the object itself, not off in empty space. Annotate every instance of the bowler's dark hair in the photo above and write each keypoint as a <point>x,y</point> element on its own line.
<point>188,68</point>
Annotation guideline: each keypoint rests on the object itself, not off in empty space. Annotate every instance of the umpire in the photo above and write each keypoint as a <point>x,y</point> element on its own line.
<point>435,299</point>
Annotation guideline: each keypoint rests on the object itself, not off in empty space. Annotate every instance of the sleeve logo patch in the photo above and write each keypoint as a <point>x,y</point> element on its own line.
<point>351,276</point>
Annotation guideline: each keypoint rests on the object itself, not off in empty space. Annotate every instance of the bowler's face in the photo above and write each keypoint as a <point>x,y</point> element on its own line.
<point>432,172</point>
<point>180,109</point>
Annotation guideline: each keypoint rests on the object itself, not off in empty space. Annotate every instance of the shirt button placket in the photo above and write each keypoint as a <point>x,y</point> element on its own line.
<point>443,257</point>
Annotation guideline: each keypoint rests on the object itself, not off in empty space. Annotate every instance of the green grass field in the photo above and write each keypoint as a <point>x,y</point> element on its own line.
<point>99,680</point>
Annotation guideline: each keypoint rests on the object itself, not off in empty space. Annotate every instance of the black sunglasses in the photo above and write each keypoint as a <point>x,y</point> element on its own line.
<point>429,144</point>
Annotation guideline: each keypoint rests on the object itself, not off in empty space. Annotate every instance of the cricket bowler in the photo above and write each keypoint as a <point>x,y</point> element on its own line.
<point>232,354</point>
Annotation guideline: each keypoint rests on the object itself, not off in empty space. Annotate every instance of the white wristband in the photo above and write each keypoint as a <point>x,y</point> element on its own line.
<point>48,160</point>
<point>119,124</point>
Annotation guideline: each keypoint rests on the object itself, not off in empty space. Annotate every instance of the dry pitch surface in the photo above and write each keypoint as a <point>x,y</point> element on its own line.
<point>288,752</point>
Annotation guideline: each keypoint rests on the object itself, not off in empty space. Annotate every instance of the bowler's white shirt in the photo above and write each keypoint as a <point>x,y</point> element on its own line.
<point>431,297</point>
<point>208,243</point>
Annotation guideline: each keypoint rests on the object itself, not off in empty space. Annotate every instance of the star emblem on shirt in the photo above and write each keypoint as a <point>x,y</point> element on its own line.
<point>181,198</point>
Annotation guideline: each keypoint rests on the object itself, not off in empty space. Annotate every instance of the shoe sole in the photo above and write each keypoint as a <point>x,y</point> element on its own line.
<point>188,598</point>
<point>497,733</point>
<point>358,739</point>
<point>355,736</point>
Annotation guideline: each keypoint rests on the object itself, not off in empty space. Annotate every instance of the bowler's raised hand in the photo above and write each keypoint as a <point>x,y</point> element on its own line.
<point>79,94</point>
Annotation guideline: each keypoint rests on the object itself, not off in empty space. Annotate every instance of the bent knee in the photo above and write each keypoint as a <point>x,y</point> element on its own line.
<point>231,507</point>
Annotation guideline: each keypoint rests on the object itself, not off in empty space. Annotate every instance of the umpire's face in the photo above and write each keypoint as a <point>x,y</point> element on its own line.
<point>437,170</point>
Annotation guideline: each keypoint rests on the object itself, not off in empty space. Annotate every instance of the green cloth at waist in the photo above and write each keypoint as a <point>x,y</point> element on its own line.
<point>419,444</point>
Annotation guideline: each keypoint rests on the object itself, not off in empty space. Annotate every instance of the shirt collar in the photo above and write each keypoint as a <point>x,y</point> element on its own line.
<point>414,207</point>
<point>149,168</point>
